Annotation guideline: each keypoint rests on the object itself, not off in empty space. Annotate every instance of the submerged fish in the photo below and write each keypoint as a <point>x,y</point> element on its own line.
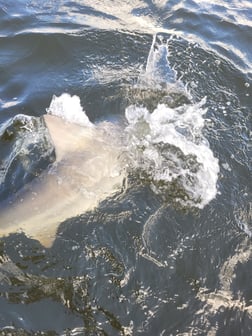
<point>86,171</point>
<point>164,146</point>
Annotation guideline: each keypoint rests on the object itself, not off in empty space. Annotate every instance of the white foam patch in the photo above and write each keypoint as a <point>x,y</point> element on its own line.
<point>69,108</point>
<point>168,147</point>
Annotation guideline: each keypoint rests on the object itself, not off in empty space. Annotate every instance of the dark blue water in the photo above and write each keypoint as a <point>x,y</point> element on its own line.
<point>143,262</point>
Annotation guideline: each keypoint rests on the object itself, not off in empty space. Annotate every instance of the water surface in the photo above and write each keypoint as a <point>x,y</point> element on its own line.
<point>170,254</point>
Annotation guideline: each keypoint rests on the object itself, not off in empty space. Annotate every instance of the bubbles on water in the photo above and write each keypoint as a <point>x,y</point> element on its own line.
<point>169,149</point>
<point>165,141</point>
<point>69,108</point>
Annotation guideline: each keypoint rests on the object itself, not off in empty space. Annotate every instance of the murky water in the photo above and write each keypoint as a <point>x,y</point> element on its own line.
<point>169,252</point>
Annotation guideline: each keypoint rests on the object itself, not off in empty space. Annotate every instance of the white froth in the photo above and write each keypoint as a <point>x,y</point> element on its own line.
<point>168,146</point>
<point>69,108</point>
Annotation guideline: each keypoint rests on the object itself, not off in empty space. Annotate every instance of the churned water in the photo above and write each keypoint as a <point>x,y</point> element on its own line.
<point>165,87</point>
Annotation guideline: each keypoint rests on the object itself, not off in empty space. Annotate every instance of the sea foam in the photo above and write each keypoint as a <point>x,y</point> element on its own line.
<point>69,108</point>
<point>168,148</point>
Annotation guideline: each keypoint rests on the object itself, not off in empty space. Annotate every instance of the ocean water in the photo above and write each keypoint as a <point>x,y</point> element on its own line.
<point>170,252</point>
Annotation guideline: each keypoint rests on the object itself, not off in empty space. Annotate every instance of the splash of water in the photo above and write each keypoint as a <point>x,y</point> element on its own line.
<point>158,72</point>
<point>167,146</point>
<point>26,151</point>
<point>69,108</point>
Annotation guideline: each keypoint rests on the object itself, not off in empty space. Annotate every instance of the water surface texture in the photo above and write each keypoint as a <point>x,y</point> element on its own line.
<point>169,253</point>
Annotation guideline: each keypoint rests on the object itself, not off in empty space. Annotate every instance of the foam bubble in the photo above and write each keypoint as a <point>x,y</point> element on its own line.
<point>69,108</point>
<point>168,148</point>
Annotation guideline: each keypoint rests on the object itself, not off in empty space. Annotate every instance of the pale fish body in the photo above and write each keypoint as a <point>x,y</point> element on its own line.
<point>86,171</point>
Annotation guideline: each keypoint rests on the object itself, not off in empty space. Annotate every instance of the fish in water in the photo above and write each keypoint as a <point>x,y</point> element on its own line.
<point>87,169</point>
<point>166,146</point>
